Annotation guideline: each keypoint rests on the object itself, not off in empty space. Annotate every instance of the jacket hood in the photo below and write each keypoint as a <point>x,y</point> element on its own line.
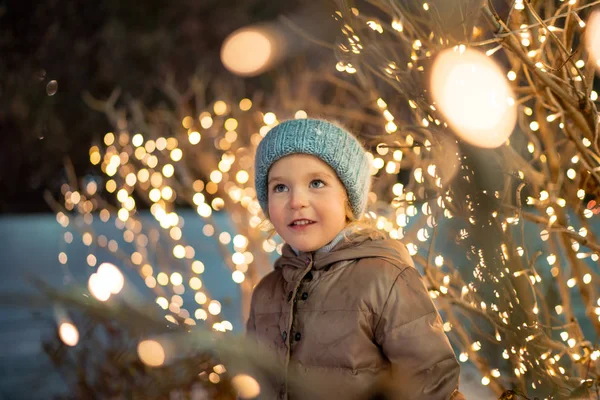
<point>353,249</point>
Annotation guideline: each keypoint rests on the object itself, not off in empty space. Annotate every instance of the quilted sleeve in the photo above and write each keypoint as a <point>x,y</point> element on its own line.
<point>411,335</point>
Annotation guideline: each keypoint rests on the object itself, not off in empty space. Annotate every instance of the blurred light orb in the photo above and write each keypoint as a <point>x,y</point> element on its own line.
<point>247,52</point>
<point>473,94</point>
<point>151,353</point>
<point>68,334</point>
<point>592,37</point>
<point>238,276</point>
<point>98,287</point>
<point>52,88</point>
<point>112,277</point>
<point>214,307</point>
<point>246,386</point>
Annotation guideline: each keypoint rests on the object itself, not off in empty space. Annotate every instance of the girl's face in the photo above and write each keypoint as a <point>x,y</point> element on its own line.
<point>306,201</point>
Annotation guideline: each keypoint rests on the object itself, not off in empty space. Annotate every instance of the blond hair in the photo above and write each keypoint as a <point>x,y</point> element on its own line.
<point>363,226</point>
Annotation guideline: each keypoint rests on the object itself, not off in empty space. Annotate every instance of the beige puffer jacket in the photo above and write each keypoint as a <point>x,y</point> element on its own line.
<point>344,322</point>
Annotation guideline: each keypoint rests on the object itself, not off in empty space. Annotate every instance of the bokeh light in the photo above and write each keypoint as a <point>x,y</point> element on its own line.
<point>592,38</point>
<point>68,333</point>
<point>151,353</point>
<point>246,386</point>
<point>113,277</point>
<point>98,288</point>
<point>473,94</point>
<point>248,51</point>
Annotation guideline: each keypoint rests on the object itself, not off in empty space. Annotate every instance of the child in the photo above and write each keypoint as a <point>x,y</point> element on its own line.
<point>344,308</point>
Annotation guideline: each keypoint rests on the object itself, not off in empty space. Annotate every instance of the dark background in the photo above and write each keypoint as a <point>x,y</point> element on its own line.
<point>93,47</point>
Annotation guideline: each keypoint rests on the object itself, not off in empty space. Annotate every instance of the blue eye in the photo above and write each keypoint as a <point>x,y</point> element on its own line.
<point>319,184</point>
<point>279,188</point>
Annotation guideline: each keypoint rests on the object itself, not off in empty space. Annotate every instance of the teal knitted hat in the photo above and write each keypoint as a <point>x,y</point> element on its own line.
<point>322,139</point>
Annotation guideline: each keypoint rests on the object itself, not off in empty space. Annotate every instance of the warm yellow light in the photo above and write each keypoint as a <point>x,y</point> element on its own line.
<point>592,37</point>
<point>179,252</point>
<point>301,114</point>
<point>242,176</point>
<point>247,52</point>
<point>216,176</point>
<point>150,281</point>
<point>245,104</point>
<point>111,186</point>
<point>151,353</point>
<point>109,138</point>
<point>269,118</point>
<point>137,140</point>
<point>230,124</point>
<point>162,302</point>
<point>218,203</point>
<point>238,276</point>
<point>68,334</point>
<point>194,137</point>
<point>225,238</point>
<point>95,158</point>
<point>201,314</point>
<point>198,267</point>
<point>187,122</point>
<point>162,278</point>
<point>166,193</point>
<point>98,288</point>
<point>214,307</point>
<point>391,127</point>
<point>473,93</point>
<point>176,279</point>
<point>240,241</point>
<point>246,386</point>
<point>176,154</point>
<point>200,298</point>
<point>112,277</point>
<point>214,377</point>
<point>168,170</point>
<point>161,143</point>
<point>123,214</point>
<point>204,210</point>
<point>195,283</point>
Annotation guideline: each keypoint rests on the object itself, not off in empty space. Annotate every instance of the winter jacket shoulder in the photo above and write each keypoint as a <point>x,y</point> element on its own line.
<point>350,322</point>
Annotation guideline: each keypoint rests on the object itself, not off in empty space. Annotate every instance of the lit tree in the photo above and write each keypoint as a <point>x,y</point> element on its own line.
<point>509,299</point>
<point>190,152</point>
<point>452,79</point>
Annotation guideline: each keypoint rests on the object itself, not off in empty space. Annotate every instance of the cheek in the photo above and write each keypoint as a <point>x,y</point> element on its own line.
<point>275,208</point>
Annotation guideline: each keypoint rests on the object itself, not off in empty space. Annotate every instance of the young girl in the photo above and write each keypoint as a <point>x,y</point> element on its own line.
<point>344,309</point>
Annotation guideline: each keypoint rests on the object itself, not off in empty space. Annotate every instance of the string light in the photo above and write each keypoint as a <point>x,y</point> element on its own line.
<point>161,158</point>
<point>68,333</point>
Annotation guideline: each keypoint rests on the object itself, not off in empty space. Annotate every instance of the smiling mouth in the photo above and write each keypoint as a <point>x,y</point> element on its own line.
<point>301,222</point>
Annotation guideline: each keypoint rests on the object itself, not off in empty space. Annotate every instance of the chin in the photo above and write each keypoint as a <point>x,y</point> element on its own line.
<point>304,249</point>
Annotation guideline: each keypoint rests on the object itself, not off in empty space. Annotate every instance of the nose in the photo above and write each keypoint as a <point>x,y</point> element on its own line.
<point>298,199</point>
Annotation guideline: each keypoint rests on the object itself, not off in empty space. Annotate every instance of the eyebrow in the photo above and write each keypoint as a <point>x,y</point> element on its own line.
<point>311,175</point>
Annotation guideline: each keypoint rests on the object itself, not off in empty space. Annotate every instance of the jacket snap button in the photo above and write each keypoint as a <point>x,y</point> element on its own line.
<point>304,296</point>
<point>307,261</point>
<point>284,336</point>
<point>298,336</point>
<point>290,296</point>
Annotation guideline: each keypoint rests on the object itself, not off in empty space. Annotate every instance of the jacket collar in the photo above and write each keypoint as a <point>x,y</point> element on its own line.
<point>353,249</point>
